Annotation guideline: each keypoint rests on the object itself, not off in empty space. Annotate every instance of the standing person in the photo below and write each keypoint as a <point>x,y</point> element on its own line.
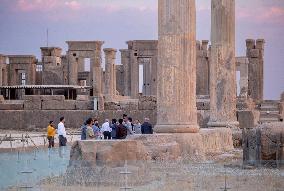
<point>113,128</point>
<point>96,129</point>
<point>106,130</point>
<point>84,131</point>
<point>147,127</point>
<point>124,116</point>
<point>50,134</point>
<point>121,131</point>
<point>128,126</point>
<point>62,133</point>
<point>137,127</point>
<point>89,131</point>
<point>130,121</point>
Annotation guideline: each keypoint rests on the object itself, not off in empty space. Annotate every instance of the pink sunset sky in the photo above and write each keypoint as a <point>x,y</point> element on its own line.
<point>24,24</point>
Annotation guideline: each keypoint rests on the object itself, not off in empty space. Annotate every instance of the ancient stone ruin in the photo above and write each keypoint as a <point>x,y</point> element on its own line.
<point>188,90</point>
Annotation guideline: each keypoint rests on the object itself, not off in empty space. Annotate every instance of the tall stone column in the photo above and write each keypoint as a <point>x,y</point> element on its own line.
<point>114,77</point>
<point>125,58</point>
<point>97,75</point>
<point>110,55</point>
<point>176,101</point>
<point>73,68</point>
<point>222,68</point>
<point>255,54</point>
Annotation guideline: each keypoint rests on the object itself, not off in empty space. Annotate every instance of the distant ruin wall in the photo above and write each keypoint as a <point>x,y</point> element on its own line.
<point>38,120</point>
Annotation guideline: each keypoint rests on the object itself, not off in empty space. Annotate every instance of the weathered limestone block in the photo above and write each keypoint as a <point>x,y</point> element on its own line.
<point>83,98</point>
<point>1,98</point>
<point>263,143</point>
<point>203,117</point>
<point>272,135</point>
<point>248,118</point>
<point>32,102</point>
<point>282,97</point>
<point>112,106</point>
<point>52,97</point>
<point>254,53</point>
<point>147,102</point>
<point>110,153</point>
<point>281,111</point>
<point>217,140</point>
<point>156,147</point>
<point>203,105</point>
<point>251,146</point>
<point>84,105</point>
<point>11,106</point>
<point>58,105</point>
<point>245,104</point>
<point>237,138</point>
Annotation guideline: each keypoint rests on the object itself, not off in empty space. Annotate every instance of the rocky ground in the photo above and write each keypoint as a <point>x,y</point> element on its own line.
<point>209,175</point>
<point>216,173</point>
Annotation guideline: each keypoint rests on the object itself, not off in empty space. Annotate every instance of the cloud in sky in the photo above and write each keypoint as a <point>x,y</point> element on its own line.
<point>24,24</point>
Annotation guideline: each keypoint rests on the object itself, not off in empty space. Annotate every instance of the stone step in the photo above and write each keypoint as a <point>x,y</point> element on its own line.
<point>270,112</point>
<point>266,120</point>
<point>269,109</point>
<point>270,116</point>
<point>268,105</point>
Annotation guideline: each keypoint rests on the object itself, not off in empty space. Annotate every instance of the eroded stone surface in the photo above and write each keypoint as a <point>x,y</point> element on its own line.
<point>264,143</point>
<point>223,67</point>
<point>156,147</point>
<point>176,95</point>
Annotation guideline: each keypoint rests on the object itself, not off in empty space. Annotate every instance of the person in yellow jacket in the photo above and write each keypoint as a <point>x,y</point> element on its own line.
<point>51,134</point>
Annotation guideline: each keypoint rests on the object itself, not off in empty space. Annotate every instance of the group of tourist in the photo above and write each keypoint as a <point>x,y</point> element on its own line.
<point>62,135</point>
<point>114,129</point>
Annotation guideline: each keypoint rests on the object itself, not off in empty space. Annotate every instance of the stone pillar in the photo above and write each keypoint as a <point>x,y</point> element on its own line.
<point>176,100</point>
<point>125,61</point>
<point>97,75</point>
<point>73,68</point>
<point>114,78</point>
<point>110,55</point>
<point>255,54</point>
<point>222,65</point>
<point>202,68</point>
<point>134,74</point>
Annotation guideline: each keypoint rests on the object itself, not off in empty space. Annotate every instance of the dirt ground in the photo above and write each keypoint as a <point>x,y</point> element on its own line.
<point>219,172</point>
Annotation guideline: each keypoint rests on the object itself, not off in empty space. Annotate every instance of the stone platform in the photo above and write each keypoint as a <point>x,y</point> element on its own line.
<point>156,147</point>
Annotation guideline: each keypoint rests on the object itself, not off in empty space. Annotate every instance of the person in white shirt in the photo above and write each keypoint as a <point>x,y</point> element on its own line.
<point>61,133</point>
<point>106,129</point>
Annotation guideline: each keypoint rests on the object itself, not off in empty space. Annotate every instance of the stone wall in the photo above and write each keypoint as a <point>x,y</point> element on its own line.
<point>248,118</point>
<point>157,147</point>
<point>23,119</point>
<point>263,144</point>
<point>46,108</point>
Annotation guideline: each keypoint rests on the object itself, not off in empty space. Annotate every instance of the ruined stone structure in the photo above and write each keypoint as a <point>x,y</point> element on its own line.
<point>202,68</point>
<point>110,73</point>
<point>176,95</point>
<point>255,55</point>
<point>242,66</point>
<point>52,66</point>
<point>222,70</point>
<point>264,144</point>
<point>3,71</point>
<point>78,51</point>
<point>140,53</point>
<point>186,68</point>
